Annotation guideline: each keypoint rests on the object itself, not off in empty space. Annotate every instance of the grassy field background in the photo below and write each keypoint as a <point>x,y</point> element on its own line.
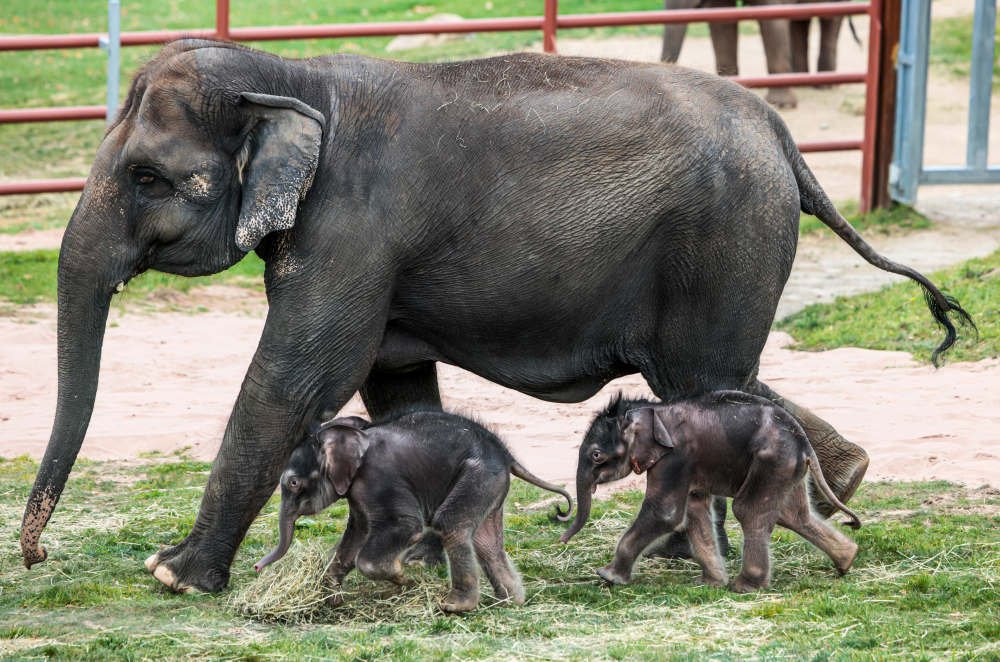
<point>924,586</point>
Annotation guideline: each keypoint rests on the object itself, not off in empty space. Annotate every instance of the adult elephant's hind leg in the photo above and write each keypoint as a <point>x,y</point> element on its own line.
<point>386,392</point>
<point>844,464</point>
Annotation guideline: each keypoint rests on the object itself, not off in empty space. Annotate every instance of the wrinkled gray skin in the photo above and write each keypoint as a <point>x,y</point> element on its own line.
<point>546,223</point>
<point>405,477</point>
<point>777,44</point>
<point>724,443</point>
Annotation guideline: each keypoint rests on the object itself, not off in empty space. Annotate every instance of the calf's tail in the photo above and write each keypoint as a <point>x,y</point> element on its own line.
<point>817,473</point>
<point>517,469</point>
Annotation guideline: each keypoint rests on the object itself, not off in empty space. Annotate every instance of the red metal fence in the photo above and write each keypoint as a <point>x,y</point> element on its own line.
<point>549,24</point>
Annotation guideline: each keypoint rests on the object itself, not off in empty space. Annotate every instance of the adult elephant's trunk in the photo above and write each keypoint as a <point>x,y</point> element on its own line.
<point>286,530</point>
<point>90,270</point>
<point>584,488</point>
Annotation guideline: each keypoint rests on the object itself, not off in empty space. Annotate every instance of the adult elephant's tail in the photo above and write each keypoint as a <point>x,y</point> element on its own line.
<point>815,201</point>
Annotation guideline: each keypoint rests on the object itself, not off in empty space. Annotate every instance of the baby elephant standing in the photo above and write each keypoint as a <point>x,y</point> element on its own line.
<point>726,443</point>
<point>400,476</point>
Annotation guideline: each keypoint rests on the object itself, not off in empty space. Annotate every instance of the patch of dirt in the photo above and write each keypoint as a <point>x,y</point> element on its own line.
<point>169,380</point>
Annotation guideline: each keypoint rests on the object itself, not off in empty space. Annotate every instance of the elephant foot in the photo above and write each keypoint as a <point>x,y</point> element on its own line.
<point>176,567</point>
<point>781,97</point>
<point>714,582</point>
<point>427,553</point>
<point>456,603</point>
<point>334,601</point>
<point>743,584</point>
<point>674,546</point>
<point>612,576</point>
<point>845,562</point>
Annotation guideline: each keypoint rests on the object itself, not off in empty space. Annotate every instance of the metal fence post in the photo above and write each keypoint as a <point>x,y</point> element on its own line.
<point>911,100</point>
<point>549,26</point>
<point>981,83</point>
<point>872,106</point>
<point>222,19</point>
<point>113,45</point>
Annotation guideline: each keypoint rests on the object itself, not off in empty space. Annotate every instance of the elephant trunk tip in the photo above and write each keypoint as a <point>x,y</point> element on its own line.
<point>34,555</point>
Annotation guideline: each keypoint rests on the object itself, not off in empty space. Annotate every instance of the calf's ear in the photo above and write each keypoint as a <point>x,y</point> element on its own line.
<point>276,164</point>
<point>342,448</point>
<point>650,439</point>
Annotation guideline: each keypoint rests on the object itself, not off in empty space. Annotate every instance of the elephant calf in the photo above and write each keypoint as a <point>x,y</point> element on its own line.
<point>724,443</point>
<point>410,472</point>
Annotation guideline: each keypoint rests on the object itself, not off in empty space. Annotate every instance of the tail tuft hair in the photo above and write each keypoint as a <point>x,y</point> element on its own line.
<point>942,319</point>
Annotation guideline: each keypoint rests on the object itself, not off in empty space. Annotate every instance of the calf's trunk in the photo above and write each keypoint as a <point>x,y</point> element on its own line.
<point>584,489</point>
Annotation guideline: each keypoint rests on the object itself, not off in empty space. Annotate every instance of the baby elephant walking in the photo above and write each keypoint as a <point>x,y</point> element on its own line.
<point>417,470</point>
<point>725,443</point>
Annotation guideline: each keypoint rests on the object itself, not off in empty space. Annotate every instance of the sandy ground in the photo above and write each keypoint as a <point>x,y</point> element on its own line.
<point>169,379</point>
<point>168,382</point>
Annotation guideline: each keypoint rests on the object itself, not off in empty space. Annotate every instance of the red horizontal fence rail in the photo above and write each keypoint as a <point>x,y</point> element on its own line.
<point>549,24</point>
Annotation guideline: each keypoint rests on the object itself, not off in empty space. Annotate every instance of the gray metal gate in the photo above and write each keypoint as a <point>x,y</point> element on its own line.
<point>907,170</point>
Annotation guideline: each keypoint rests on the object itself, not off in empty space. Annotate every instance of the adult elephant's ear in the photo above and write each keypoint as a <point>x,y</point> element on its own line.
<point>342,448</point>
<point>650,439</point>
<point>276,164</point>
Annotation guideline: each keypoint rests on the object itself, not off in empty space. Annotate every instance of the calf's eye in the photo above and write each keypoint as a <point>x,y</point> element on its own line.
<point>294,484</point>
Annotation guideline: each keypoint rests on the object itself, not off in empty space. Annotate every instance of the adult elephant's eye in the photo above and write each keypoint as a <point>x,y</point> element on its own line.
<point>146,179</point>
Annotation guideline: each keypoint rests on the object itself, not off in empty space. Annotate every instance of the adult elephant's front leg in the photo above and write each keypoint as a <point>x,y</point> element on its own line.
<point>300,369</point>
<point>843,463</point>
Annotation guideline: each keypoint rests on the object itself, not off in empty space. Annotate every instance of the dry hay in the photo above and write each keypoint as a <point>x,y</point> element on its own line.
<point>296,589</point>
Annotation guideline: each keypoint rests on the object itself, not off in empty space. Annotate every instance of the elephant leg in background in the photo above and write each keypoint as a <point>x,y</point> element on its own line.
<point>677,546</point>
<point>724,41</point>
<point>844,464</point>
<point>778,49</point>
<point>829,32</point>
<point>799,32</point>
<point>673,35</point>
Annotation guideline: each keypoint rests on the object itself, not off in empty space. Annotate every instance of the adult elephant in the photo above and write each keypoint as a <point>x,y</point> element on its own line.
<point>547,223</point>
<point>777,44</point>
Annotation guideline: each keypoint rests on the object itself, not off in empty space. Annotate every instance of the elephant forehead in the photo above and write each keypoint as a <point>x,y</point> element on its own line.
<point>180,153</point>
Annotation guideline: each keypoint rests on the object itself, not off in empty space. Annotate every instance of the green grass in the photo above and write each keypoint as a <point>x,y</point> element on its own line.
<point>951,47</point>
<point>76,76</point>
<point>30,277</point>
<point>923,586</point>
<point>896,318</point>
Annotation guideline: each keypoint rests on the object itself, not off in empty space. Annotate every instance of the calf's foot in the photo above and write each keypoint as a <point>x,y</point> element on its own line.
<point>457,603</point>
<point>745,584</point>
<point>844,562</point>
<point>427,553</point>
<point>716,582</point>
<point>614,576</point>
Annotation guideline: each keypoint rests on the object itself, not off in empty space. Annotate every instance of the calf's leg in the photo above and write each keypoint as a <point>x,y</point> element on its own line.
<point>798,518</point>
<point>488,544</point>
